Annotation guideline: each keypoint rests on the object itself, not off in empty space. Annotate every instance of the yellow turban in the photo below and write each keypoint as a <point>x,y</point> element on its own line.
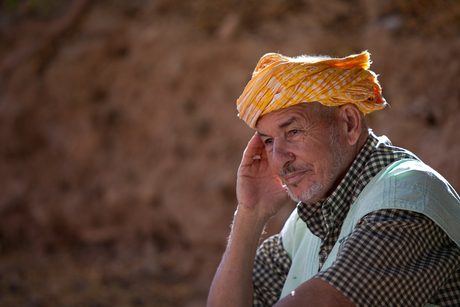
<point>280,82</point>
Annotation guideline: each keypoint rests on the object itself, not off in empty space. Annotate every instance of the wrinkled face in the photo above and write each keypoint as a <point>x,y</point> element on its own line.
<point>306,150</point>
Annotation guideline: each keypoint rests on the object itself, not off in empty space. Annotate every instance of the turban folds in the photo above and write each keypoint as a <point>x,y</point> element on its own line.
<point>280,82</point>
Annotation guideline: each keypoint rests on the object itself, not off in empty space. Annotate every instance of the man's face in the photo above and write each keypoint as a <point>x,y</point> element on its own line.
<point>307,152</point>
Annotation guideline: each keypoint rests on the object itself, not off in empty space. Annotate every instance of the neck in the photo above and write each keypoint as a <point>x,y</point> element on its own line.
<point>361,141</point>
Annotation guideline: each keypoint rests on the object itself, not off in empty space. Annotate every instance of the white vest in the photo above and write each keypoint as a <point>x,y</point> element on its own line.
<point>406,184</point>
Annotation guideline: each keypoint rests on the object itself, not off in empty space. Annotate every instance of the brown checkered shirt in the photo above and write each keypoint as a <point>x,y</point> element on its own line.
<point>392,258</point>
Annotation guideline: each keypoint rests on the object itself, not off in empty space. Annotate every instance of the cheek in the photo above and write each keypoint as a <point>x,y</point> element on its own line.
<point>275,170</point>
<point>272,166</point>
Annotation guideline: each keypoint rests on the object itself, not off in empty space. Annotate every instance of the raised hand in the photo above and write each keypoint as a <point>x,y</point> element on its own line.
<point>258,188</point>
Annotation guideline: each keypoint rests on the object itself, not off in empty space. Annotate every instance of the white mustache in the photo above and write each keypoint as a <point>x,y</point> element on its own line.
<point>291,169</point>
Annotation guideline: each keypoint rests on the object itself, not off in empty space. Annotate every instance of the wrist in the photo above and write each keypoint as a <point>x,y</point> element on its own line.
<point>249,221</point>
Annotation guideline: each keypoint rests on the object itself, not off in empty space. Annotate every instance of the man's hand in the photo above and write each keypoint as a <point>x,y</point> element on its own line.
<point>258,188</point>
<point>260,195</point>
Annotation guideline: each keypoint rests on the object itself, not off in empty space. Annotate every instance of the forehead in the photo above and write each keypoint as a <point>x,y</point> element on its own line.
<point>303,113</point>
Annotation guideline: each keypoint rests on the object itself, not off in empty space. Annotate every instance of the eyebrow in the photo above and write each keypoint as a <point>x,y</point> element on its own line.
<point>288,122</point>
<point>282,125</point>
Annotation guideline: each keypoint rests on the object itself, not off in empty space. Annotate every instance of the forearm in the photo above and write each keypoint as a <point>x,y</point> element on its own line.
<point>232,284</point>
<point>315,292</point>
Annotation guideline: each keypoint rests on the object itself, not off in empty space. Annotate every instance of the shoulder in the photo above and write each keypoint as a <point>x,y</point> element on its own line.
<point>414,186</point>
<point>411,180</point>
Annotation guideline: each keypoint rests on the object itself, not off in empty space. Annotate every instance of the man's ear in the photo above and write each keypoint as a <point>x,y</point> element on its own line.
<point>349,119</point>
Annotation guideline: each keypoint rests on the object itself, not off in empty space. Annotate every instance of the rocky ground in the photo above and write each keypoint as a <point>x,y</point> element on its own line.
<point>119,140</point>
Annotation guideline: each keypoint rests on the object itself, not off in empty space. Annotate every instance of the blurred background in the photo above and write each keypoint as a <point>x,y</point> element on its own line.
<point>119,140</point>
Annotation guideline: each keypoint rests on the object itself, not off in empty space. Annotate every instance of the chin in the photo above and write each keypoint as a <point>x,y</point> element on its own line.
<point>312,194</point>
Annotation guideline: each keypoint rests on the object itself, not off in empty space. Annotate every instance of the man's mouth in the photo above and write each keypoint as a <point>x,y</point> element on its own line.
<point>294,177</point>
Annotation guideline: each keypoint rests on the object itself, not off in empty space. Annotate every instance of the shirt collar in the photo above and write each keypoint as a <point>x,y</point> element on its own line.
<point>338,203</point>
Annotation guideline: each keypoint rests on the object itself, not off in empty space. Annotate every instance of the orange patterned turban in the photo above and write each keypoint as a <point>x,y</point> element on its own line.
<point>280,82</point>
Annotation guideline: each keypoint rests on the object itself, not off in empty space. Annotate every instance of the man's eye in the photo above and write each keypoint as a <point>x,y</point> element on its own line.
<point>268,141</point>
<point>294,132</point>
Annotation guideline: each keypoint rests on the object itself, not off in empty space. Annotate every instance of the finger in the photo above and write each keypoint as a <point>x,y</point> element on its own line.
<point>263,152</point>
<point>254,149</point>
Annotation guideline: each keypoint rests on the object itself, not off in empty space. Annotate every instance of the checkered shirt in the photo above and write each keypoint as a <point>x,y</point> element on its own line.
<point>392,258</point>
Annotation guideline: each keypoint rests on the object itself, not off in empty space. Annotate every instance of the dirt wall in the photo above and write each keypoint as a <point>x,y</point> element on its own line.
<point>119,141</point>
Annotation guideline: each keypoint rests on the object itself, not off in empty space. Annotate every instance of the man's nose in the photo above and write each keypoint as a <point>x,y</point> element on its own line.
<point>282,153</point>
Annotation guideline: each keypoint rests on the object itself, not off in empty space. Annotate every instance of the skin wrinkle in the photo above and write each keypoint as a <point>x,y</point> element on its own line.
<point>315,121</point>
<point>336,163</point>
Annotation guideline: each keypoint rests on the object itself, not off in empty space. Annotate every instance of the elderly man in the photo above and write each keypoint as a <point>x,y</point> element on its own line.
<point>374,226</point>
